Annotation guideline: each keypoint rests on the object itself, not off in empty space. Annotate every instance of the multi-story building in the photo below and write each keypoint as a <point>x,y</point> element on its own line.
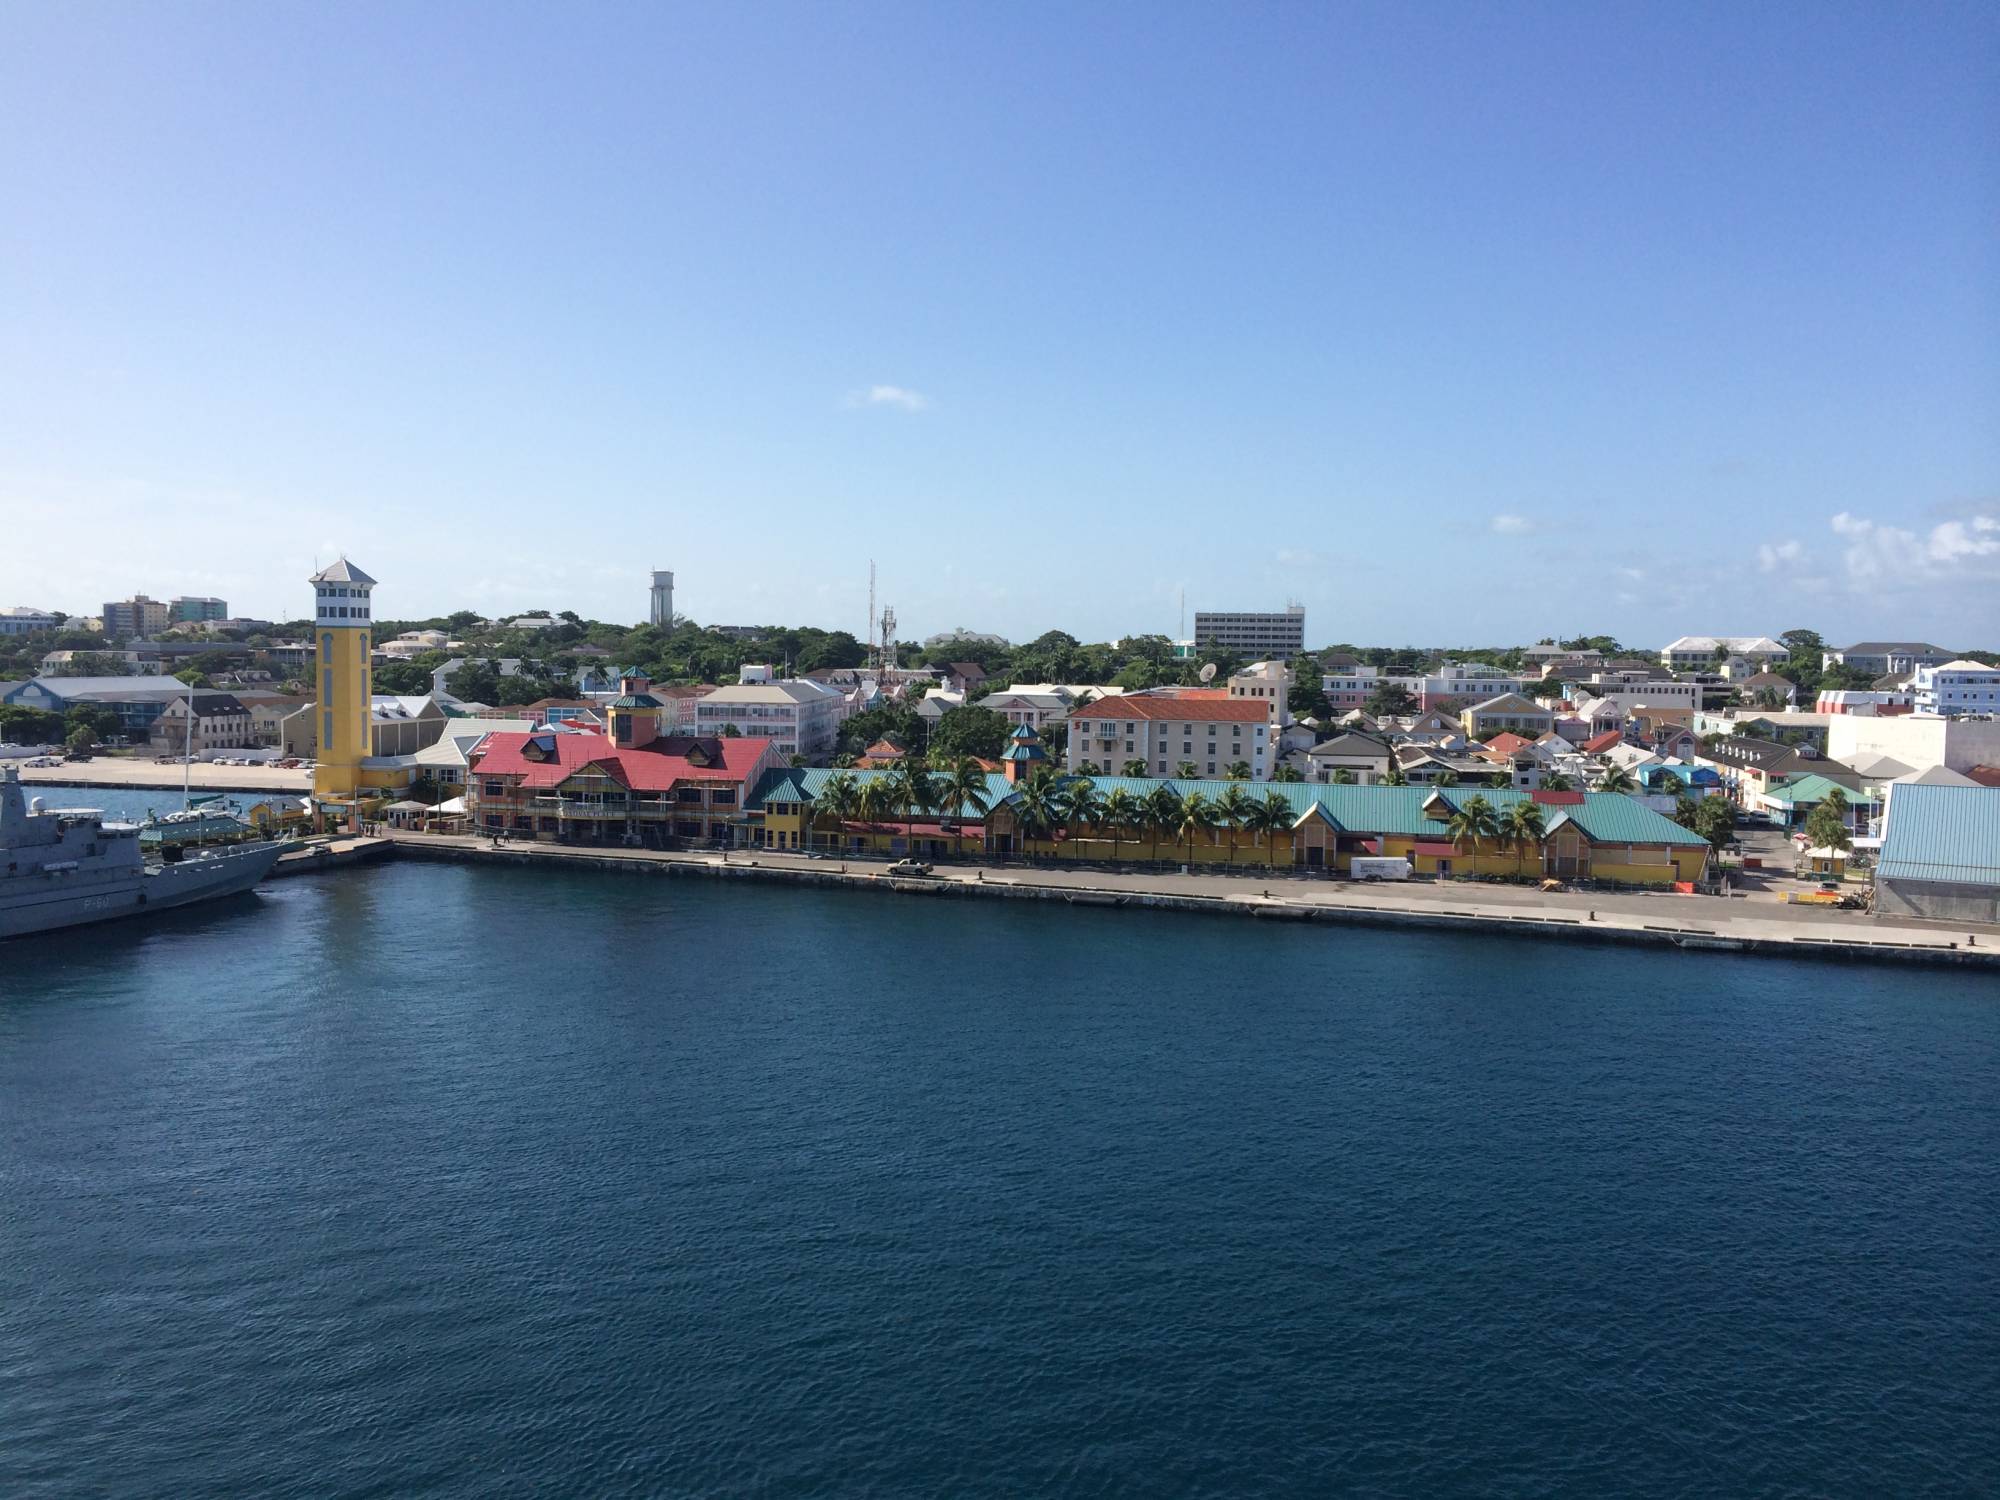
<point>1459,682</point>
<point>1915,742</point>
<point>801,716</point>
<point>1347,683</point>
<point>1252,633</point>
<point>1886,658</point>
<point>1511,712</point>
<point>1211,734</point>
<point>135,616</point>
<point>1269,683</point>
<point>1692,651</point>
<point>221,722</point>
<point>1957,687</point>
<point>188,609</point>
<point>587,788</point>
<point>20,620</point>
<point>135,701</point>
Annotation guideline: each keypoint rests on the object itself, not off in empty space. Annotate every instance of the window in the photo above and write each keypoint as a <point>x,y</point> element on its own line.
<point>493,789</point>
<point>326,733</point>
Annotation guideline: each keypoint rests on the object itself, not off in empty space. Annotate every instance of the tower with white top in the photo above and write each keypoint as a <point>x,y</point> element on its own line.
<point>663,599</point>
<point>345,684</point>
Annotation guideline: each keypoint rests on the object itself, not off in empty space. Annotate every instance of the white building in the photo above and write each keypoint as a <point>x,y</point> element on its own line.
<point>1037,710</point>
<point>1918,741</point>
<point>1692,651</point>
<point>1957,687</point>
<point>661,613</point>
<point>1886,658</point>
<point>1209,733</point>
<point>1269,683</point>
<point>20,620</point>
<point>1253,633</point>
<point>801,715</point>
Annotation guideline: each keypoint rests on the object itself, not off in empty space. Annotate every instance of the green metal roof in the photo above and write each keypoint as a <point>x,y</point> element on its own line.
<point>1942,833</point>
<point>1806,789</point>
<point>1605,817</point>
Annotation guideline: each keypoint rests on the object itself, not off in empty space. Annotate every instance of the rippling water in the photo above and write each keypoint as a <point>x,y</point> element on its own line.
<point>442,1182</point>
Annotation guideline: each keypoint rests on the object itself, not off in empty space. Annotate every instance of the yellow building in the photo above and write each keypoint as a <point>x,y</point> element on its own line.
<point>344,685</point>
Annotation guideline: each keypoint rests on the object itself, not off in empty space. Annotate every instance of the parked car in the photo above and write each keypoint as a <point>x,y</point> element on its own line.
<point>910,867</point>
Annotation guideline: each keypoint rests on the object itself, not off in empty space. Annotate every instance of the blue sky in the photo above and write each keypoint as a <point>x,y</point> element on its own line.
<point>1454,322</point>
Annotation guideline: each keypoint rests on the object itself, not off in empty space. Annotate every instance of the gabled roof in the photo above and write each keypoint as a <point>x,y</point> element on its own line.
<point>1805,789</point>
<point>650,768</point>
<point>1507,743</point>
<point>1508,703</point>
<point>1949,834</point>
<point>340,572</point>
<point>1597,744</point>
<point>1133,706</point>
<point>1892,648</point>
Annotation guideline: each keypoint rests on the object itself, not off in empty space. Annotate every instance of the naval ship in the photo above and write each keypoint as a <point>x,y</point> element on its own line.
<point>64,867</point>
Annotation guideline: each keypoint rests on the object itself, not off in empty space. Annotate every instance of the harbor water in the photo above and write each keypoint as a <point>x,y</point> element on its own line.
<point>454,1182</point>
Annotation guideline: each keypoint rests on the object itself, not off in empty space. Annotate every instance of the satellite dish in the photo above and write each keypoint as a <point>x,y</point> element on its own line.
<point>1208,672</point>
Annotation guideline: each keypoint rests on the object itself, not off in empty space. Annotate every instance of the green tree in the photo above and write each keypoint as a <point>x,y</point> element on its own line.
<point>1341,777</point>
<point>1715,820</point>
<point>1826,828</point>
<point>1198,815</point>
<point>1266,819</point>
<point>1499,781</point>
<point>1390,698</point>
<point>81,741</point>
<point>838,801</point>
<point>1035,811</point>
<point>1237,770</point>
<point>1089,768</point>
<point>1232,809</point>
<point>1395,776</point>
<point>1119,816</point>
<point>1162,812</point>
<point>20,725</point>
<point>965,787</point>
<point>1134,768</point>
<point>1555,781</point>
<point>966,731</point>
<point>1287,774</point>
<point>1669,785</point>
<point>1185,769</point>
<point>1524,828</point>
<point>99,720</point>
<point>1474,820</point>
<point>1616,779</point>
<point>1445,778</point>
<point>1081,807</point>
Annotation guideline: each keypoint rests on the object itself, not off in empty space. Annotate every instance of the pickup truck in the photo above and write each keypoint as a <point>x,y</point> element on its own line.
<point>910,867</point>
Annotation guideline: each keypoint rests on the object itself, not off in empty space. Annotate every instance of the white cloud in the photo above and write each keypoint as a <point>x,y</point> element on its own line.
<point>1297,557</point>
<point>902,398</point>
<point>1881,554</point>
<point>1510,526</point>
<point>1774,555</point>
<point>1636,575</point>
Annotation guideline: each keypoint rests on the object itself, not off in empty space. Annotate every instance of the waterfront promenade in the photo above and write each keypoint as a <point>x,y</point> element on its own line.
<point>138,774</point>
<point>1744,923</point>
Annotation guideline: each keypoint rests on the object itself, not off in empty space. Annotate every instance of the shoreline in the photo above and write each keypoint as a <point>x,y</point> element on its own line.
<point>1336,903</point>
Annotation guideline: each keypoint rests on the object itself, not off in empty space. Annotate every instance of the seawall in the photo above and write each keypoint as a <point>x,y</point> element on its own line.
<point>1710,933</point>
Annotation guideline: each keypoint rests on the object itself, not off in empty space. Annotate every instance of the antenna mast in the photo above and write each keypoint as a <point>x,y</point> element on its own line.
<point>872,660</point>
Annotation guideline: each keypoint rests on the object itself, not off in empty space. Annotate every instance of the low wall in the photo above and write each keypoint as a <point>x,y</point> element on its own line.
<point>1566,928</point>
<point>1936,901</point>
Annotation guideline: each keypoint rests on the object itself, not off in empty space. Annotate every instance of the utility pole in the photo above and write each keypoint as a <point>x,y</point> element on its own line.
<point>873,661</point>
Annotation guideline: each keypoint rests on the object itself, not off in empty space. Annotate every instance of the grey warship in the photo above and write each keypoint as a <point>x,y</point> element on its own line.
<point>64,867</point>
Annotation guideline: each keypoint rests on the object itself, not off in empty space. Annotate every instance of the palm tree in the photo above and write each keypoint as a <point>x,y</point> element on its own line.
<point>1287,774</point>
<point>1524,826</point>
<point>1445,778</point>
<point>1616,779</point>
<point>1035,811</point>
<point>1265,820</point>
<point>1555,781</point>
<point>1162,811</point>
<point>1231,809</point>
<point>1081,807</point>
<point>1669,785</point>
<point>1118,816</point>
<point>1474,820</point>
<point>1089,768</point>
<point>837,799</point>
<point>874,802</point>
<point>1500,781</point>
<point>1134,768</point>
<point>1395,776</point>
<point>1184,769</point>
<point>1341,777</point>
<point>1197,816</point>
<point>1237,770</point>
<point>965,787</point>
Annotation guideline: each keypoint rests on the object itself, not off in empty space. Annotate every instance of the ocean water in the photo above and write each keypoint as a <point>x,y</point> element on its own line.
<point>427,1181</point>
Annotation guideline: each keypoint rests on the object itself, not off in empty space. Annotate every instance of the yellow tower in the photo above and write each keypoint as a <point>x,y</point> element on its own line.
<point>340,630</point>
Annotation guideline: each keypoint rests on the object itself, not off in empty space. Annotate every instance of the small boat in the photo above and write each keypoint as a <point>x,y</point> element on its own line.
<point>205,820</point>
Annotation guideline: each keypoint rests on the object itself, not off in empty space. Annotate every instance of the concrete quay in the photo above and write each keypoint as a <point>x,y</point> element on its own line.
<point>150,775</point>
<point>1689,923</point>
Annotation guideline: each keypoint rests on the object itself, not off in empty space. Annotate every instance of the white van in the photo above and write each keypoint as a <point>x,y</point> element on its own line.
<point>1366,867</point>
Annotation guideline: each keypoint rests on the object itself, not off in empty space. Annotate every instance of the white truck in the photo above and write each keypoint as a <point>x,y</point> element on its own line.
<point>1367,867</point>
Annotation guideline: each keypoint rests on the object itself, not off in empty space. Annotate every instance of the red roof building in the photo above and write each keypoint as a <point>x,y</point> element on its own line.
<point>1209,733</point>
<point>580,788</point>
<point>1599,743</point>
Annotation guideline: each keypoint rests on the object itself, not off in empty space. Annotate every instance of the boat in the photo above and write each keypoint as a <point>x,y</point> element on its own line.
<point>212,819</point>
<point>65,867</point>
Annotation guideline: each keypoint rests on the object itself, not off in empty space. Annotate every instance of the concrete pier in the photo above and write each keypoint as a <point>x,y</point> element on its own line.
<point>1690,923</point>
